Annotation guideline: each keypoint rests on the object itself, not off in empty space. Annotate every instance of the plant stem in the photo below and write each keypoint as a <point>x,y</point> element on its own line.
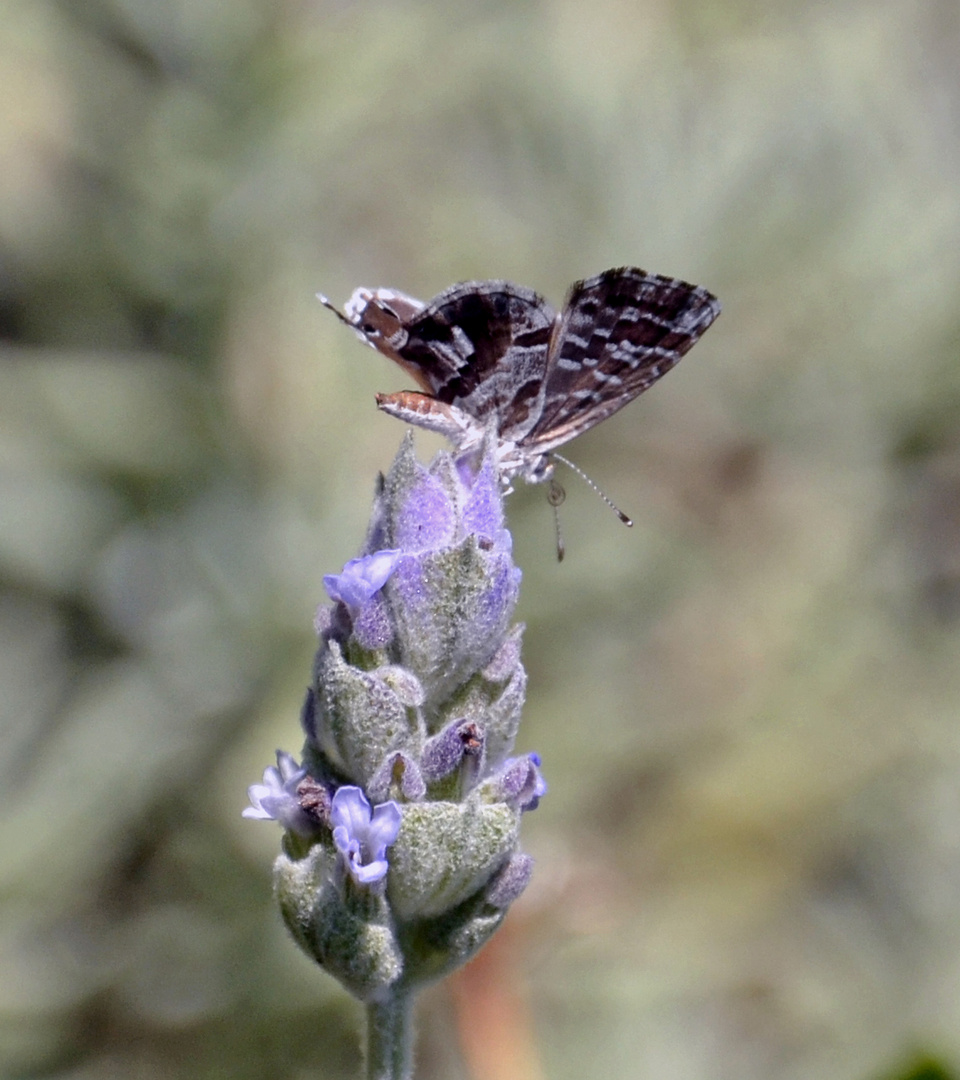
<point>390,1037</point>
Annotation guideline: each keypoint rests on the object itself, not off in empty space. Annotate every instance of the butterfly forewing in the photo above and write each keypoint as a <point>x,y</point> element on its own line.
<point>618,333</point>
<point>483,347</point>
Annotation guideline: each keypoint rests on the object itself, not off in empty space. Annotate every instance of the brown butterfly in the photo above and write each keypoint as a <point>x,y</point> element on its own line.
<point>492,352</point>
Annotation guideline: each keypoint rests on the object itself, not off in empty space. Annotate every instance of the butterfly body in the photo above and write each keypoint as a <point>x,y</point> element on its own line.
<point>494,353</point>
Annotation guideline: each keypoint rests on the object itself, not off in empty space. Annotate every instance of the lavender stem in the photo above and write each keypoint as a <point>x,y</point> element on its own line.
<point>390,1037</point>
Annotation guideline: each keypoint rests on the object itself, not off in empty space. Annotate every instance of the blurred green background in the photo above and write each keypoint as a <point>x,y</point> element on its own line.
<point>748,706</point>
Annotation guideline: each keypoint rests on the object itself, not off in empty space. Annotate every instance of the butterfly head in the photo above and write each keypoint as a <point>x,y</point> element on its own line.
<point>379,316</point>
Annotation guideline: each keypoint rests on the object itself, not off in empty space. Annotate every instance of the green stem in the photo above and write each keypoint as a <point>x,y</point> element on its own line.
<point>390,1037</point>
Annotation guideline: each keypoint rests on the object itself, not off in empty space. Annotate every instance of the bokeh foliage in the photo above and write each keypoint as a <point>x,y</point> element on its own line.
<point>748,706</point>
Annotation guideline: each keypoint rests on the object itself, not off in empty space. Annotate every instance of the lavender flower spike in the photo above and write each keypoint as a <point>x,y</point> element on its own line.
<point>362,835</point>
<point>362,578</point>
<point>414,703</point>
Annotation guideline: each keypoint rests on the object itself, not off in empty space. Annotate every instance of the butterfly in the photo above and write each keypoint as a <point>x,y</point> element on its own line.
<point>491,352</point>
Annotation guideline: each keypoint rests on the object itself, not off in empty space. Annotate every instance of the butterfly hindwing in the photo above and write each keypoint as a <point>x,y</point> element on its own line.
<point>619,333</point>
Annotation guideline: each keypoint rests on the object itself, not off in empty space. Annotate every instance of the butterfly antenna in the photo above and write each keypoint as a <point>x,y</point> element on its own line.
<point>606,498</point>
<point>555,497</point>
<point>333,307</point>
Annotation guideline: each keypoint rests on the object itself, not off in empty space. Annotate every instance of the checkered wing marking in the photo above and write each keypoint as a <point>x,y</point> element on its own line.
<point>619,332</point>
<point>483,346</point>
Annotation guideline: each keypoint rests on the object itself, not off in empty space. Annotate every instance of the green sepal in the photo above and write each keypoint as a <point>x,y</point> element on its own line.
<point>446,852</point>
<point>347,930</point>
<point>444,629</point>
<point>435,947</point>
<point>494,698</point>
<point>360,718</point>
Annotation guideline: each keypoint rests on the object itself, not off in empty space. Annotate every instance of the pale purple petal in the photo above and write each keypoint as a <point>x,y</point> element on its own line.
<point>290,771</point>
<point>361,578</point>
<point>277,798</point>
<point>351,811</point>
<point>363,835</point>
<point>372,872</point>
<point>256,793</point>
<point>384,826</point>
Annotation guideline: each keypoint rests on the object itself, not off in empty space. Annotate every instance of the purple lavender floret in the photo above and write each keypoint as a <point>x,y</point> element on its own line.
<point>364,614</point>
<point>520,782</point>
<point>361,578</point>
<point>362,834</point>
<point>277,798</point>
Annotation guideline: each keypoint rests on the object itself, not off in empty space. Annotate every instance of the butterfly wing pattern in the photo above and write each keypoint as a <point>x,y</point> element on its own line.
<point>491,352</point>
